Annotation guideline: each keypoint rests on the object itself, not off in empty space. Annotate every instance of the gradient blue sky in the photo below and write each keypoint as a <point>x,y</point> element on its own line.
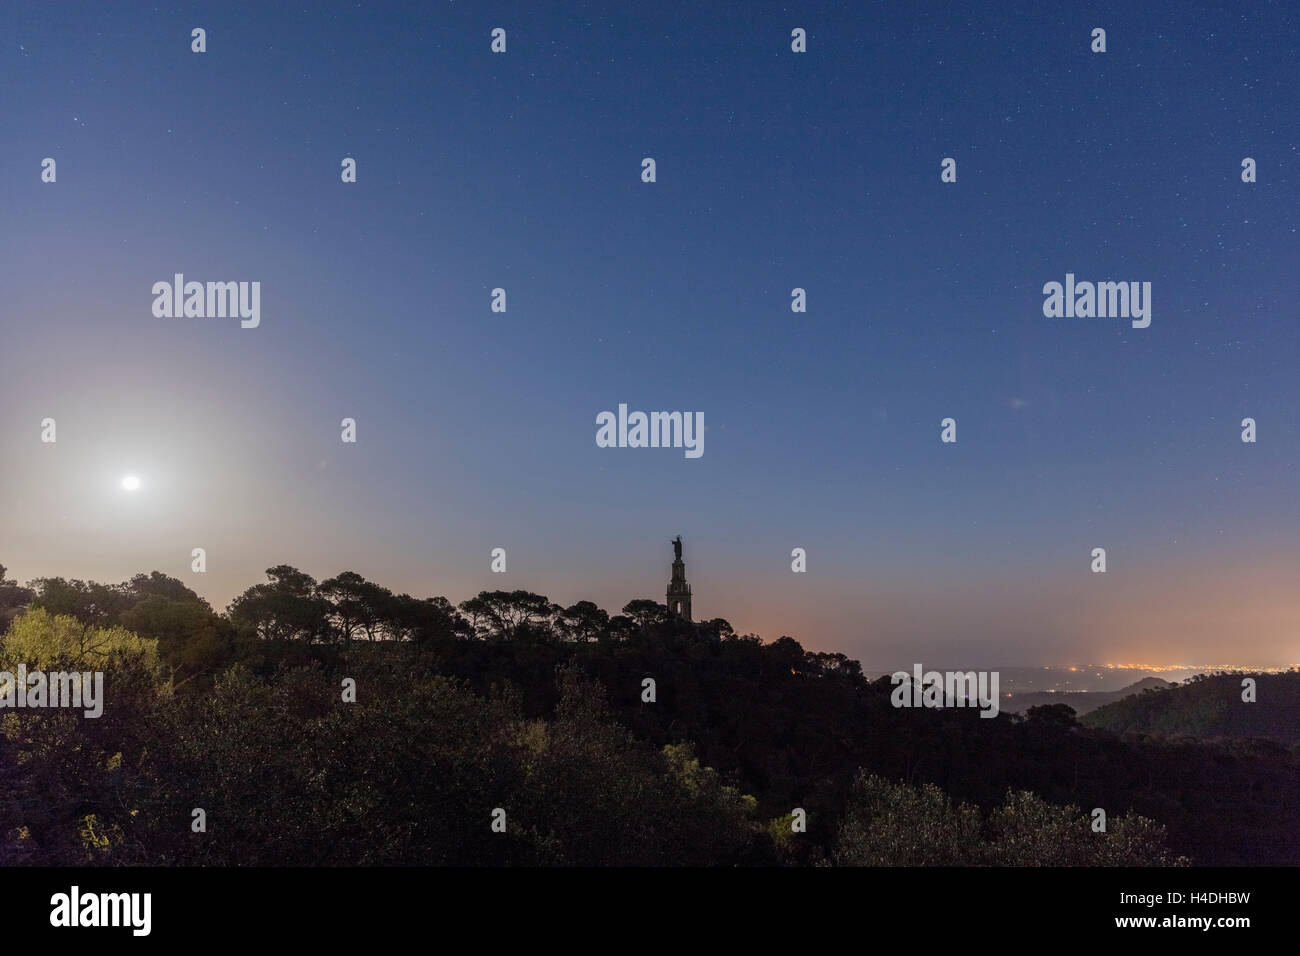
<point>775,170</point>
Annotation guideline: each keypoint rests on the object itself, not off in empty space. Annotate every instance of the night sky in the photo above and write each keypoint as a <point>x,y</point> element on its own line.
<point>775,170</point>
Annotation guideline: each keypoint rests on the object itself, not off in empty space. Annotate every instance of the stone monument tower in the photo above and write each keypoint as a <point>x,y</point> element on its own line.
<point>679,592</point>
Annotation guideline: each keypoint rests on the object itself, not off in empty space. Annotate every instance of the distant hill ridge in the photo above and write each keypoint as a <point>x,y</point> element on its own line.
<point>1082,701</point>
<point>1209,706</point>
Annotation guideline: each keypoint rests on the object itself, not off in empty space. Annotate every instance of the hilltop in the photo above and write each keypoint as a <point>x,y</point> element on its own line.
<point>1211,706</point>
<point>1080,701</point>
<point>335,722</point>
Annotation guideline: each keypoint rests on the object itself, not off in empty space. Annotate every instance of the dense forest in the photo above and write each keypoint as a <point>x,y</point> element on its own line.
<point>335,723</point>
<point>1210,706</point>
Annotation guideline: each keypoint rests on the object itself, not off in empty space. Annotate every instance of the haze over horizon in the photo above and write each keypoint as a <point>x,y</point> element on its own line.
<point>819,171</point>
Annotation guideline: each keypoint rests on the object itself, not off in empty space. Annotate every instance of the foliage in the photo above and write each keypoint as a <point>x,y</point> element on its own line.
<point>510,701</point>
<point>894,824</point>
<point>45,641</point>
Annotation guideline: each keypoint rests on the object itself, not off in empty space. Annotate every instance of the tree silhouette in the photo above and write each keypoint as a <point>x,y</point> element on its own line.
<point>287,608</point>
<point>545,717</point>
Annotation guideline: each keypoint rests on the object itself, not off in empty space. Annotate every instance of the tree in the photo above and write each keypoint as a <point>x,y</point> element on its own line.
<point>786,654</point>
<point>12,599</point>
<point>583,621</point>
<point>192,640</point>
<point>892,824</point>
<point>349,603</point>
<point>620,629</point>
<point>505,614</point>
<point>430,621</point>
<point>288,608</point>
<point>717,628</point>
<point>161,585</point>
<point>1059,716</point>
<point>835,664</point>
<point>645,613</point>
<point>376,610</point>
<point>43,640</point>
<point>94,605</point>
<point>594,795</point>
<point>1026,830</point>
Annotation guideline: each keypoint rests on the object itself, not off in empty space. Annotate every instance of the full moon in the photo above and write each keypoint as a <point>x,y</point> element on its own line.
<point>130,483</point>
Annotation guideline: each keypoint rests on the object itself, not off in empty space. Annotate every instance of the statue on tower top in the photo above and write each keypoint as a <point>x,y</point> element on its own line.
<point>678,597</point>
